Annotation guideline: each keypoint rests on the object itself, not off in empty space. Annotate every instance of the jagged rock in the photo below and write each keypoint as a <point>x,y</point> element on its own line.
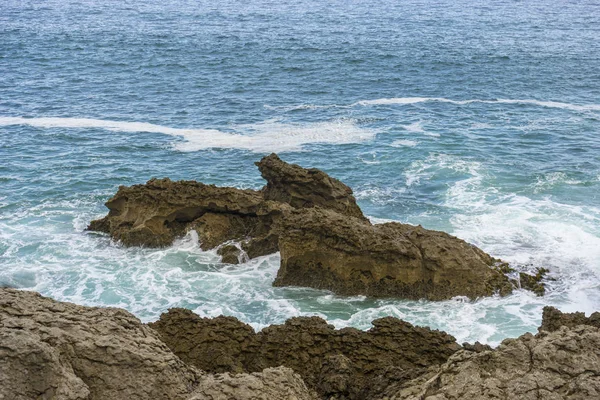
<point>156,213</point>
<point>534,282</point>
<point>553,319</point>
<point>562,365</point>
<point>270,384</point>
<point>302,188</point>
<point>230,254</point>
<point>64,351</point>
<point>326,250</point>
<point>308,345</point>
<point>324,239</point>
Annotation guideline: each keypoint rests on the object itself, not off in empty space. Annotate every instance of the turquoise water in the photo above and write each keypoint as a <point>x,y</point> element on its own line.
<point>479,120</point>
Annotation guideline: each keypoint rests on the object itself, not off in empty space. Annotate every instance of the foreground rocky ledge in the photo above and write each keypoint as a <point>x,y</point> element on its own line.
<point>313,220</point>
<point>62,351</point>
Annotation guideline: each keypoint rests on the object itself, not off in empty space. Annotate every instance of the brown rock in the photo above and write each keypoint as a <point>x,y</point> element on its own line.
<point>313,219</point>
<point>534,282</point>
<point>270,384</point>
<point>302,188</point>
<point>64,351</point>
<point>562,365</point>
<point>334,362</point>
<point>156,213</point>
<point>553,319</point>
<point>61,351</point>
<point>230,254</point>
<point>326,250</point>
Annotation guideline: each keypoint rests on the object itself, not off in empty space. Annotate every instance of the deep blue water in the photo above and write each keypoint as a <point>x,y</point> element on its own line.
<point>482,120</point>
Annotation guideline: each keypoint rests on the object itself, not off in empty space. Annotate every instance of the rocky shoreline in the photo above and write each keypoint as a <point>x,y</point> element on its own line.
<point>323,237</point>
<point>63,351</point>
<point>56,350</point>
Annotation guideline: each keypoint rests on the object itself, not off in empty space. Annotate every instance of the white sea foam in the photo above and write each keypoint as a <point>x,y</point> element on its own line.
<point>415,100</point>
<point>551,180</point>
<point>404,143</point>
<point>263,137</point>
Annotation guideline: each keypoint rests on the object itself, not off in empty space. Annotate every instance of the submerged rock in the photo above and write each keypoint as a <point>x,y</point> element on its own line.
<point>325,250</point>
<point>313,220</point>
<point>341,362</point>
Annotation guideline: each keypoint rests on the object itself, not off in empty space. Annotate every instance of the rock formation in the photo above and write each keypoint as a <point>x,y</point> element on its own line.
<point>313,220</point>
<point>561,365</point>
<point>334,362</point>
<point>553,319</point>
<point>61,351</point>
<point>325,250</point>
<point>306,188</point>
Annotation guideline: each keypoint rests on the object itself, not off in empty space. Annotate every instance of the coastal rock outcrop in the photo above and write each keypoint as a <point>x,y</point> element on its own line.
<point>325,250</point>
<point>559,365</point>
<point>313,220</point>
<point>341,362</point>
<point>59,350</point>
<point>156,213</point>
<point>62,351</point>
<point>553,319</point>
<point>306,188</point>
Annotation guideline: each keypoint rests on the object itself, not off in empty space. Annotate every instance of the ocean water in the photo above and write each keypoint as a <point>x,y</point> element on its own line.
<point>482,120</point>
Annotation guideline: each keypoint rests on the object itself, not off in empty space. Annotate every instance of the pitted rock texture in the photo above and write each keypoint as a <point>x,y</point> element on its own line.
<point>305,188</point>
<point>270,384</point>
<point>325,250</point>
<point>62,351</point>
<point>313,219</point>
<point>553,319</point>
<point>156,213</point>
<point>561,365</point>
<point>334,362</point>
<point>52,350</point>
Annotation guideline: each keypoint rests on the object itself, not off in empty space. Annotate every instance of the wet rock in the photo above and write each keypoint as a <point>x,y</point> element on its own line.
<point>553,319</point>
<point>324,239</point>
<point>303,188</point>
<point>326,250</point>
<point>534,282</point>
<point>334,362</point>
<point>230,254</point>
<point>561,365</point>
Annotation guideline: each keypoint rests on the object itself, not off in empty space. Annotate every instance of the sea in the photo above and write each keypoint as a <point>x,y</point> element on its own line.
<point>481,119</point>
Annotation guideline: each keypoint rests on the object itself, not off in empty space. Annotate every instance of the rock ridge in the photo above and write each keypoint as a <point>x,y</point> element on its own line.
<point>62,351</point>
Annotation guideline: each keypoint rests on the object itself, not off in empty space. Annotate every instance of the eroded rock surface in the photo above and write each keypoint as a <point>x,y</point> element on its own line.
<point>270,384</point>
<point>553,319</point>
<point>561,365</point>
<point>306,188</point>
<point>64,351</point>
<point>334,362</point>
<point>156,213</point>
<point>325,250</point>
<point>313,219</point>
